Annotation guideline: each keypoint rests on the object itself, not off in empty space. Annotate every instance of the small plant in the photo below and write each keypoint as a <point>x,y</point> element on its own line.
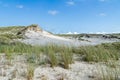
<point>67,57</point>
<point>33,25</point>
<point>108,74</point>
<point>30,72</point>
<point>51,55</point>
<point>31,58</point>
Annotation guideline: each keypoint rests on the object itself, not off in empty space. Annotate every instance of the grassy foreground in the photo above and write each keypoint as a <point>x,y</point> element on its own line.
<point>98,53</point>
<point>55,55</point>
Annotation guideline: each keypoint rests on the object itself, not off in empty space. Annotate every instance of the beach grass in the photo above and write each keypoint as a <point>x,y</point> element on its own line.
<point>107,53</point>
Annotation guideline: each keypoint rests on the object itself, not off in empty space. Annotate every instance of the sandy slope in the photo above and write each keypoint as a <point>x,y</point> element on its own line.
<point>77,71</point>
<point>33,34</point>
<point>42,38</point>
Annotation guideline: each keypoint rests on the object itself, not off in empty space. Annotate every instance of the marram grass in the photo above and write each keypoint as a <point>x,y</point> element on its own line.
<point>56,55</point>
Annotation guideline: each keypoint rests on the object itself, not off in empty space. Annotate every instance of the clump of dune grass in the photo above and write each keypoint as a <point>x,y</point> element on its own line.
<point>50,52</point>
<point>33,52</point>
<point>67,57</point>
<point>59,55</point>
<point>30,72</point>
<point>99,53</point>
<point>107,54</point>
<point>108,73</point>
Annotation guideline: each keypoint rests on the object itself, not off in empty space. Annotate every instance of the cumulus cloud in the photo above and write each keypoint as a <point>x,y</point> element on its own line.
<point>79,0</point>
<point>102,14</point>
<point>72,33</point>
<point>75,33</point>
<point>70,3</point>
<point>101,0</point>
<point>69,33</point>
<point>53,12</point>
<point>20,6</point>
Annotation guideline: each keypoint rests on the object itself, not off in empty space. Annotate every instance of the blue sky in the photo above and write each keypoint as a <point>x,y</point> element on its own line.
<point>62,16</point>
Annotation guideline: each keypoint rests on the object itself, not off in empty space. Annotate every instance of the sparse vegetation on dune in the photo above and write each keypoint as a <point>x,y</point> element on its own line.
<point>33,52</point>
<point>103,52</point>
<point>10,33</point>
<point>79,36</point>
<point>15,32</point>
<point>12,29</point>
<point>107,53</point>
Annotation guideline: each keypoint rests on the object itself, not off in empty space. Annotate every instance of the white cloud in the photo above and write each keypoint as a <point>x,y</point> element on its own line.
<point>101,0</point>
<point>69,33</point>
<point>53,12</point>
<point>70,3</point>
<point>101,32</point>
<point>75,33</point>
<point>72,33</point>
<point>20,6</point>
<point>102,14</point>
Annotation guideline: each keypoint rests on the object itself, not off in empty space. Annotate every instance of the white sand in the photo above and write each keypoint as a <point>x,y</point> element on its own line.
<point>77,71</point>
<point>42,38</point>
